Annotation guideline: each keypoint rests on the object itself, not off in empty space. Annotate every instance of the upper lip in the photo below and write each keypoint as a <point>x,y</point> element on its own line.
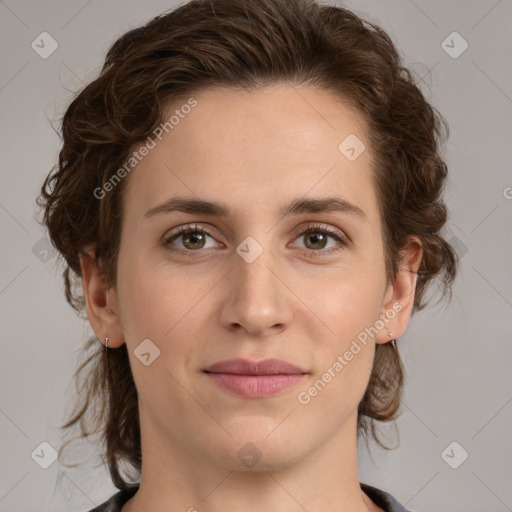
<point>248,367</point>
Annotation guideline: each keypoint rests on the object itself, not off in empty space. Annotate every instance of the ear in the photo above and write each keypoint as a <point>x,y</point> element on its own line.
<point>399,297</point>
<point>101,302</point>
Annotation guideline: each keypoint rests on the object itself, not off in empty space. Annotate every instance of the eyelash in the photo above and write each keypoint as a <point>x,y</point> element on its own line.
<point>317,228</point>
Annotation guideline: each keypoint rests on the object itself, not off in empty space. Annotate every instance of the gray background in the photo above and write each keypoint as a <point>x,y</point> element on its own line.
<point>457,357</point>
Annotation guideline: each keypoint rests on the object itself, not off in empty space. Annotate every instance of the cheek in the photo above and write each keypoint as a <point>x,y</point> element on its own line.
<point>146,307</point>
<point>349,307</point>
<point>159,302</point>
<point>346,301</point>
<point>344,358</point>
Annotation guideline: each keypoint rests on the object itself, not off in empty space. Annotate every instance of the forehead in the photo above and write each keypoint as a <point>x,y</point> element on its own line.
<point>247,146</point>
<point>296,121</point>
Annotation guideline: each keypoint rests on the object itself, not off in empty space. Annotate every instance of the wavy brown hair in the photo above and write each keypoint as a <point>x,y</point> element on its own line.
<point>242,44</point>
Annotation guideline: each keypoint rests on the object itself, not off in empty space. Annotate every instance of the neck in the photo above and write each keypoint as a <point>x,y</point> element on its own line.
<point>175,478</point>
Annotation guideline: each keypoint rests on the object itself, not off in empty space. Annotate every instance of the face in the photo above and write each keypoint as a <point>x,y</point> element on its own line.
<point>271,275</point>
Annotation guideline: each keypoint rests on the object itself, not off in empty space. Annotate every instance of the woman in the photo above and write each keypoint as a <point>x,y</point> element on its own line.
<point>249,197</point>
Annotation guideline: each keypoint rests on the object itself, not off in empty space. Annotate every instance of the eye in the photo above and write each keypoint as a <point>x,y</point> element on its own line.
<point>317,236</point>
<point>193,238</point>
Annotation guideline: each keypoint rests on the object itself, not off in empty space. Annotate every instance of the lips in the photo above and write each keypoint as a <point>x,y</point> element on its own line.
<point>247,367</point>
<point>255,379</point>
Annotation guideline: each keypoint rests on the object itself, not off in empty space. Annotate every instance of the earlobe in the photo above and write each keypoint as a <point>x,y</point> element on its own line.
<point>399,301</point>
<point>100,301</point>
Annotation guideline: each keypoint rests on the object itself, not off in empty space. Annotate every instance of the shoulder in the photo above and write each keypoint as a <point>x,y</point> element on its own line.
<point>116,502</point>
<point>383,499</point>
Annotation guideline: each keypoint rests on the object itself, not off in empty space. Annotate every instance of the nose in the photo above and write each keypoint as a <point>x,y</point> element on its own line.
<point>257,299</point>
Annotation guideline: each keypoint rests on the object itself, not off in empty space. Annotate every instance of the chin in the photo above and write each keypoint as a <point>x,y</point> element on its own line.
<point>258,453</point>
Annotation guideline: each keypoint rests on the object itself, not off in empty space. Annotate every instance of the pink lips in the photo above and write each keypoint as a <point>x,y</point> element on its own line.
<point>255,379</point>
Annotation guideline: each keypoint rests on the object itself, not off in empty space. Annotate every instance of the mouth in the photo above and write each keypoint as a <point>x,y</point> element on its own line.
<point>255,379</point>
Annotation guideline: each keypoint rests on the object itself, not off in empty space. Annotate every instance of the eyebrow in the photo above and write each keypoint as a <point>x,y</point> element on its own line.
<point>298,206</point>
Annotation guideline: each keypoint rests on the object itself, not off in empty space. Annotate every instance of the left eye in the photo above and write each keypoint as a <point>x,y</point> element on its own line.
<point>318,237</point>
<point>193,238</point>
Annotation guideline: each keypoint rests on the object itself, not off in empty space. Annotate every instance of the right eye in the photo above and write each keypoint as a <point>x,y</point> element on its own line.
<point>193,238</point>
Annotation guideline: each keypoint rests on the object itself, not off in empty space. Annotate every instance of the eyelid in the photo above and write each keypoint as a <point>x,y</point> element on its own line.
<point>325,228</point>
<point>186,228</point>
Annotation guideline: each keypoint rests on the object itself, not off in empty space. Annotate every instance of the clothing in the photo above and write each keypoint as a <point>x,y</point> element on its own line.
<point>381,498</point>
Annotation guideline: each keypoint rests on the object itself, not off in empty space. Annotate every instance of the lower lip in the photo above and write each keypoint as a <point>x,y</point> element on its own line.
<point>255,386</point>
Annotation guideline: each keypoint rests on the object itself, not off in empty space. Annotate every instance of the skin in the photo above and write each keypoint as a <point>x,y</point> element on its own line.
<point>301,300</point>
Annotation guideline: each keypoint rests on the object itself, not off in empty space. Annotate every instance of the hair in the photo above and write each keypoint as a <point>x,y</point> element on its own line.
<point>243,45</point>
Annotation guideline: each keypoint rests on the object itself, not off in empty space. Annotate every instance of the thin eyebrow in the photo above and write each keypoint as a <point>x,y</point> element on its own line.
<point>298,206</point>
